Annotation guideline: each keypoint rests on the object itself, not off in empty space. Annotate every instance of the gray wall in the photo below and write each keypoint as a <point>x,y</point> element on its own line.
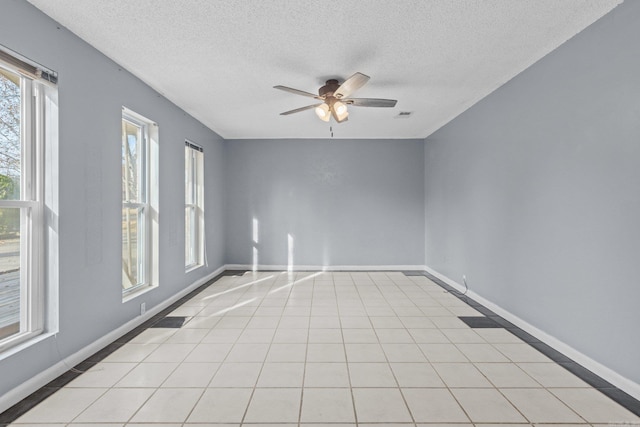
<point>92,91</point>
<point>345,202</point>
<point>533,193</point>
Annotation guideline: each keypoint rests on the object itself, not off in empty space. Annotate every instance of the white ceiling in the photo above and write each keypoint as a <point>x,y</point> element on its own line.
<point>219,59</point>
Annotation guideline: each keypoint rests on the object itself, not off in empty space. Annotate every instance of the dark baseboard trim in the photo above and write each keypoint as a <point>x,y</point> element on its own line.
<point>19,409</point>
<point>595,381</point>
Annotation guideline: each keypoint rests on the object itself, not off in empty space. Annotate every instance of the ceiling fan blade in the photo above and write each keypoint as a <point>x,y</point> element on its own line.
<point>350,85</point>
<point>297,91</point>
<point>370,102</point>
<point>297,110</point>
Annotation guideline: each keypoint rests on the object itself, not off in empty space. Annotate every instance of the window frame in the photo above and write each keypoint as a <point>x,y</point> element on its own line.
<point>194,202</point>
<point>31,205</point>
<point>146,203</point>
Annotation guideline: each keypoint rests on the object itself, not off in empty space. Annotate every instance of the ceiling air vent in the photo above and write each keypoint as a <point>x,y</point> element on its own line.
<point>404,114</point>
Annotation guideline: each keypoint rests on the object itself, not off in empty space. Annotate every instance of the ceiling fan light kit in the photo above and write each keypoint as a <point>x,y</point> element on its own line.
<point>335,97</point>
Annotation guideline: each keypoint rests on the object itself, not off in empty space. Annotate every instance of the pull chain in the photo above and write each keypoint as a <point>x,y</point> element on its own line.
<point>331,130</point>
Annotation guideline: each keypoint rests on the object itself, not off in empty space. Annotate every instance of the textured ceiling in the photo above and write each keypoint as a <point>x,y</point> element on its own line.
<point>218,60</point>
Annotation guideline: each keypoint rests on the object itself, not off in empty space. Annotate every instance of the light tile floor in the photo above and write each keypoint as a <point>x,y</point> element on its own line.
<point>340,349</point>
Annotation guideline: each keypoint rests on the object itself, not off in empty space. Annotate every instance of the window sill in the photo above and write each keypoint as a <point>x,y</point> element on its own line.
<point>23,342</point>
<point>191,268</point>
<point>137,293</point>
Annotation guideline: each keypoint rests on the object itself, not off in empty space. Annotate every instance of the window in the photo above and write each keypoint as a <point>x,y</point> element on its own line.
<point>193,206</point>
<point>22,115</point>
<point>139,210</point>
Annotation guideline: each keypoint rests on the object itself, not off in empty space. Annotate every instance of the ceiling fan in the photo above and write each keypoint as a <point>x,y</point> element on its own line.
<point>335,98</point>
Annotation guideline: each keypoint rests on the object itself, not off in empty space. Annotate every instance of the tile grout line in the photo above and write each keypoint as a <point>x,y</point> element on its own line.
<point>438,373</point>
<point>344,349</point>
<point>464,411</point>
<point>484,376</point>
<point>404,399</point>
<point>217,369</point>
<point>255,384</point>
<point>179,363</point>
<point>306,352</point>
<point>175,369</point>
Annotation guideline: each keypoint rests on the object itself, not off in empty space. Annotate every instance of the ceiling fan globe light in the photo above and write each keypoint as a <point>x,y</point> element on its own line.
<point>340,108</point>
<point>322,112</point>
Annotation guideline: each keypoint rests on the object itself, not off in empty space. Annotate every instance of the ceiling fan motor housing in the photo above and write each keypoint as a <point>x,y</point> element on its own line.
<point>329,88</point>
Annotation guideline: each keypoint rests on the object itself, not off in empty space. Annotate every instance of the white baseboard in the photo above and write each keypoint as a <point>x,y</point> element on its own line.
<point>272,267</point>
<point>623,383</point>
<point>33,384</point>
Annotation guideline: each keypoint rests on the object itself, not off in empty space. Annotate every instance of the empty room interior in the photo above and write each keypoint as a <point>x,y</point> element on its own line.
<point>306,213</point>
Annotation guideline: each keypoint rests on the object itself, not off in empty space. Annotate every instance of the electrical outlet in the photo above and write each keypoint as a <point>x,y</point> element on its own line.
<point>143,308</point>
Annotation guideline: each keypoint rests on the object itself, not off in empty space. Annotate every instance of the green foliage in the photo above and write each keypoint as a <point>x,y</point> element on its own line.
<point>9,221</point>
<point>9,218</point>
<point>8,187</point>
<point>10,154</point>
<point>10,105</point>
